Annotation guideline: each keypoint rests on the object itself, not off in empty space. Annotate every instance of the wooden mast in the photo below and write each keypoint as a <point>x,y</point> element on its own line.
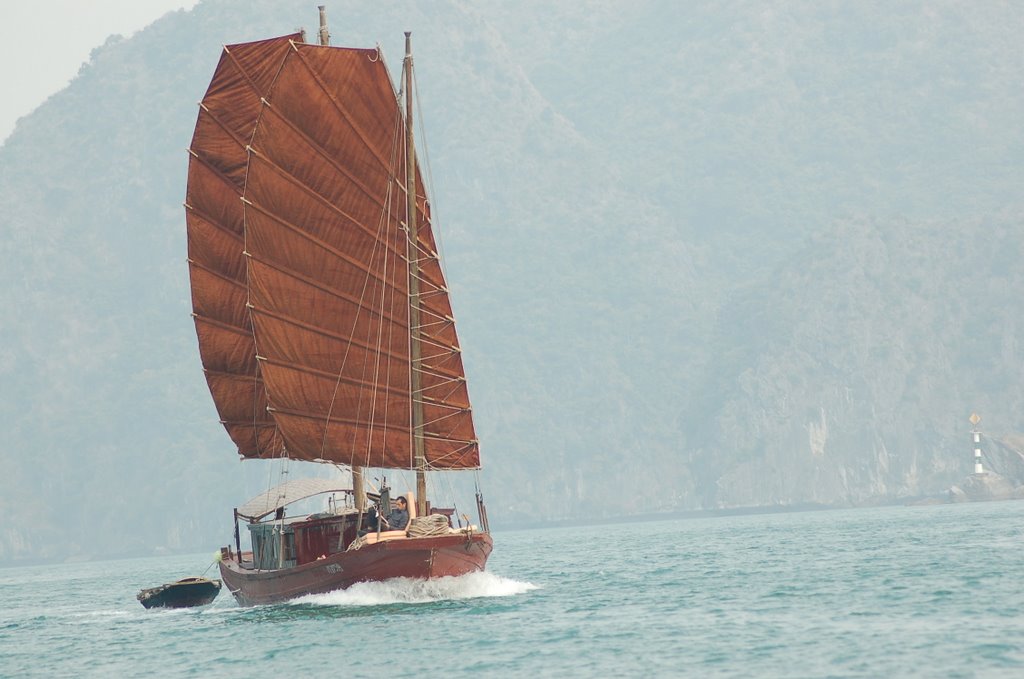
<point>414,290</point>
<point>325,36</point>
<point>358,487</point>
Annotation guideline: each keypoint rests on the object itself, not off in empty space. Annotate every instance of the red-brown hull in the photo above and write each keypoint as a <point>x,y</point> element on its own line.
<point>421,558</point>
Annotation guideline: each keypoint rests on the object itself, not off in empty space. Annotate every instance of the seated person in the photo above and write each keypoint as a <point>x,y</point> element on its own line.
<point>398,519</point>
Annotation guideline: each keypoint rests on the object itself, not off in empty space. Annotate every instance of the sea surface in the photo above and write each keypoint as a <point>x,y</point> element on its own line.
<point>888,592</point>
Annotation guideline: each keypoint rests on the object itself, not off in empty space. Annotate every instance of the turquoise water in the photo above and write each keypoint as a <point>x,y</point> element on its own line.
<point>888,592</point>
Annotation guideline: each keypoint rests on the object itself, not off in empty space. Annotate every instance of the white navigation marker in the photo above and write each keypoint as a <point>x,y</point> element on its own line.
<point>975,419</point>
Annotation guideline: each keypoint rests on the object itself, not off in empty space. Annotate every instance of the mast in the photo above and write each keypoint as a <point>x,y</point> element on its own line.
<point>420,458</point>
<point>325,36</point>
<point>358,488</point>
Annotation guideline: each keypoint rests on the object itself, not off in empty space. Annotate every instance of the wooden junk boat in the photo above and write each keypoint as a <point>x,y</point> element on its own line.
<point>323,317</point>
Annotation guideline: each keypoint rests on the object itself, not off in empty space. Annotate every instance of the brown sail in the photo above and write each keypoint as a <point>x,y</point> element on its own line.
<point>299,265</point>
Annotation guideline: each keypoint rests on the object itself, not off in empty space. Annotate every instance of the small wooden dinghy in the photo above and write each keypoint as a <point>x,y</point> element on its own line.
<point>184,593</point>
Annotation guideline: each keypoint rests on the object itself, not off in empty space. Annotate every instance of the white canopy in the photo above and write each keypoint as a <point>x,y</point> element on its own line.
<point>288,492</point>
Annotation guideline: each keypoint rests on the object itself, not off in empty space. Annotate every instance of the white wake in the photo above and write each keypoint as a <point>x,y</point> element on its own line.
<point>409,591</point>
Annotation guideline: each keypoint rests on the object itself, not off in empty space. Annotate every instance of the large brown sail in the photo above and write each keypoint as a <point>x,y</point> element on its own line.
<point>307,332</point>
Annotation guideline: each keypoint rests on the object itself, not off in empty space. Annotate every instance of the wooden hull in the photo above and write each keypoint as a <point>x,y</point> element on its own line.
<point>420,558</point>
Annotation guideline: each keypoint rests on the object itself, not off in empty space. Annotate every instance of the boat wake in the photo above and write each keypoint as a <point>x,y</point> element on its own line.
<point>410,591</point>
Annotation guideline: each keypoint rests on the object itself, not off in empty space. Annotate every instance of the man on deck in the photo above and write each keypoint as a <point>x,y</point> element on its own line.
<point>398,519</point>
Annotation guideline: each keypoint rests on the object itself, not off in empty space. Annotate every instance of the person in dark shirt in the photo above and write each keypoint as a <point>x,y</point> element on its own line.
<point>398,519</point>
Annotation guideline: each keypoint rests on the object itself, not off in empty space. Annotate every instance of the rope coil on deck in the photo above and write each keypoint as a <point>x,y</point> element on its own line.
<point>420,527</point>
<point>423,526</point>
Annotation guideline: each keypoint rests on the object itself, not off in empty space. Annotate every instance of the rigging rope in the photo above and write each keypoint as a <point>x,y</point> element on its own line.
<point>383,221</point>
<point>435,220</point>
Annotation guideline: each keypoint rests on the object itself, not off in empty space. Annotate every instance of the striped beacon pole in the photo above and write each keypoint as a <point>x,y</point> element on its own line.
<point>975,419</point>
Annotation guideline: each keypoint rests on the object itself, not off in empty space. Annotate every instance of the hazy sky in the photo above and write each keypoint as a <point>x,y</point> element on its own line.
<point>44,42</point>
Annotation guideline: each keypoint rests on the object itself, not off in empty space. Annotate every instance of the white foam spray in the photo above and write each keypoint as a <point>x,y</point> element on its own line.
<point>410,591</point>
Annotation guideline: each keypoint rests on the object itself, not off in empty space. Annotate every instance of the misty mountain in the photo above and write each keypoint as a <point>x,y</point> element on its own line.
<point>701,256</point>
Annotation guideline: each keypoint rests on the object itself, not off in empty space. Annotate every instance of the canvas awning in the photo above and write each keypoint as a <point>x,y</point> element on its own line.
<point>287,493</point>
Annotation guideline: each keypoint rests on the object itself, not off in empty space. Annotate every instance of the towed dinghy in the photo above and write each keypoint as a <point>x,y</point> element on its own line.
<point>184,593</point>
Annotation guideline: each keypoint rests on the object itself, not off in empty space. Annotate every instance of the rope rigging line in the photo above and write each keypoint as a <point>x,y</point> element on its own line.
<point>380,353</point>
<point>437,344</point>
<point>327,157</point>
<point>437,292</point>
<point>450,351</point>
<point>442,401</point>
<point>456,453</point>
<point>257,375</point>
<point>382,222</point>
<point>310,191</point>
<point>333,292</point>
<point>435,286</point>
<point>436,371</point>
<point>430,312</point>
<point>445,380</point>
<point>444,323</point>
<point>391,310</point>
<point>456,411</point>
<point>380,241</point>
<point>429,175</point>
<point>420,248</point>
<point>435,222</point>
<point>431,256</point>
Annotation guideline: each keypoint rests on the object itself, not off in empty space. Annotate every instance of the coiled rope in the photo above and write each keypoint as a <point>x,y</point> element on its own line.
<point>432,524</point>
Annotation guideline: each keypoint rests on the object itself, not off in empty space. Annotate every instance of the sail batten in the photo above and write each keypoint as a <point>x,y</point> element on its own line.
<point>219,326</point>
<point>326,157</point>
<point>341,379</point>
<point>335,209</point>
<point>231,183</point>
<point>221,275</point>
<point>326,202</point>
<point>343,421</point>
<point>217,227</point>
<point>359,134</point>
<point>232,133</point>
<point>352,343</point>
<point>339,294</point>
<point>299,260</point>
<point>298,231</point>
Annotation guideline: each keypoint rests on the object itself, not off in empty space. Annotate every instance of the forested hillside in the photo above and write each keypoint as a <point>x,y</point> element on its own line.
<point>701,256</point>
